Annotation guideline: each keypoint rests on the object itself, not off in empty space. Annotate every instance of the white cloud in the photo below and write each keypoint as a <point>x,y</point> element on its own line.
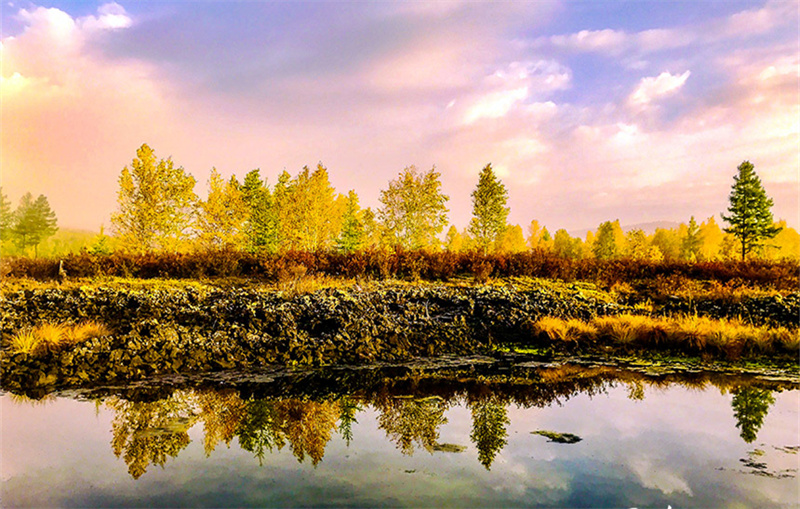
<point>508,89</point>
<point>652,88</point>
<point>495,104</point>
<point>111,16</point>
<point>592,41</point>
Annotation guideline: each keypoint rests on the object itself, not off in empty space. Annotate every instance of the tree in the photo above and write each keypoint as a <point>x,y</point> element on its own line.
<point>566,246</point>
<point>33,221</point>
<point>6,217</point>
<point>750,218</point>
<point>373,231</point>
<point>489,211</point>
<point>453,241</point>
<point>668,243</point>
<point>413,209</point>
<point>511,240</point>
<point>638,247</point>
<point>605,245</point>
<point>692,242</point>
<point>101,244</point>
<point>309,211</point>
<point>156,202</point>
<point>351,237</point>
<point>261,228</point>
<point>221,217</point>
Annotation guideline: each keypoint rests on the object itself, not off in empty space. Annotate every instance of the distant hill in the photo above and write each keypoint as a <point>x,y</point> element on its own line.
<point>648,228</point>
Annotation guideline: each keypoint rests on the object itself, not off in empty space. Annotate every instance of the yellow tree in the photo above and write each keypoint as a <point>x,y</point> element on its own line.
<point>712,237</point>
<point>222,217</point>
<point>668,242</point>
<point>511,240</point>
<point>310,211</point>
<point>489,211</point>
<point>156,201</point>
<point>453,242</point>
<point>785,245</point>
<point>413,211</point>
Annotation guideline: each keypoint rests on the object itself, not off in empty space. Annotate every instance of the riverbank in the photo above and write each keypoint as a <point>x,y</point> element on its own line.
<point>159,327</point>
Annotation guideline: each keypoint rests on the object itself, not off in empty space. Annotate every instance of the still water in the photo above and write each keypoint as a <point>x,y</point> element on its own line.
<point>431,441</point>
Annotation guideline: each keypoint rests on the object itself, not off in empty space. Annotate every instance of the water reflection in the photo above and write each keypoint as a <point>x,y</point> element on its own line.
<point>447,437</point>
<point>150,427</point>
<point>750,406</point>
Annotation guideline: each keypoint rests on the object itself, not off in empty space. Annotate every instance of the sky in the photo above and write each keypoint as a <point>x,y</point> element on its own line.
<point>588,111</point>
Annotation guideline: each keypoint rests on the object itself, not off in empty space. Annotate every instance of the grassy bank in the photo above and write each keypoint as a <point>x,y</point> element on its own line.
<point>110,330</point>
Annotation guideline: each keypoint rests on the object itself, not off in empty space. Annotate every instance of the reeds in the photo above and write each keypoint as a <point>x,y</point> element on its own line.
<point>687,333</point>
<point>54,337</point>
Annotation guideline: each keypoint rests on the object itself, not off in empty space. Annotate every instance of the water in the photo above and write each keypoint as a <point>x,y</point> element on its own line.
<point>708,441</point>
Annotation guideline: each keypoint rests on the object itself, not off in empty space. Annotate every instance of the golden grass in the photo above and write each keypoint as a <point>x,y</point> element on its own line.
<point>689,333</point>
<point>54,337</point>
<point>25,342</point>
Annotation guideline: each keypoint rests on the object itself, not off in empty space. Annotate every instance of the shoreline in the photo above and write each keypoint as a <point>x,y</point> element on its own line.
<point>191,328</point>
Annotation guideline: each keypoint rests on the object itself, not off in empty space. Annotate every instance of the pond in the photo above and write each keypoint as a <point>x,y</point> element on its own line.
<point>552,436</point>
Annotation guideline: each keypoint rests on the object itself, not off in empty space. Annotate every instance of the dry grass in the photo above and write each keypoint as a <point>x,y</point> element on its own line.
<point>689,333</point>
<point>25,342</point>
<point>55,337</point>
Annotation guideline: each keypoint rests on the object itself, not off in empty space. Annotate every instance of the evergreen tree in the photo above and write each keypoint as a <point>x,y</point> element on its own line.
<point>692,242</point>
<point>156,203</point>
<point>750,218</point>
<point>351,237</point>
<point>101,244</point>
<point>34,221</point>
<point>262,221</point>
<point>489,211</point>
<point>414,211</point>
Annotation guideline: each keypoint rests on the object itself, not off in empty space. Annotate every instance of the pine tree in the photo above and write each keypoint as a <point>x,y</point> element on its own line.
<point>750,218</point>
<point>34,221</point>
<point>692,242</point>
<point>489,211</point>
<point>351,237</point>
<point>262,225</point>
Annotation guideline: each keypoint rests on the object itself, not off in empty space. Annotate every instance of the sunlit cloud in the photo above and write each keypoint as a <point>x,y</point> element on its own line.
<point>652,88</point>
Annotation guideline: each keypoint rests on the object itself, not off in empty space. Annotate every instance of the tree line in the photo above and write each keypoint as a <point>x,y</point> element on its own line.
<point>159,211</point>
<point>29,224</point>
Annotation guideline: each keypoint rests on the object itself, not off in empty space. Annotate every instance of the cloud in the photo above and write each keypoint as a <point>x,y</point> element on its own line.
<point>653,88</point>
<point>511,86</point>
<point>67,113</point>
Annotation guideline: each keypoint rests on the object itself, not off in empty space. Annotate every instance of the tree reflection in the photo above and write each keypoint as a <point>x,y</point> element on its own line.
<point>489,434</point>
<point>348,408</point>
<point>409,420</point>
<point>259,429</point>
<point>308,426</point>
<point>221,413</point>
<point>150,432</point>
<point>750,406</point>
